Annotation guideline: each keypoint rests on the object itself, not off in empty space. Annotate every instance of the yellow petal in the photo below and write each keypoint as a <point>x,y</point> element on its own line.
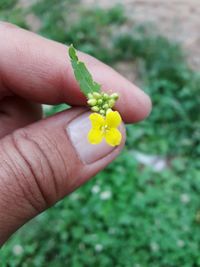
<point>113,137</point>
<point>97,120</point>
<point>95,136</point>
<point>113,119</point>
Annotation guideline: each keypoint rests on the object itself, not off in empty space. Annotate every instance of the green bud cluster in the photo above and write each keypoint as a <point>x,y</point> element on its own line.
<point>102,102</point>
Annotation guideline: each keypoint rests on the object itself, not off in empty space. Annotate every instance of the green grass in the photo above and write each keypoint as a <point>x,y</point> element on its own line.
<point>149,218</point>
<point>10,11</point>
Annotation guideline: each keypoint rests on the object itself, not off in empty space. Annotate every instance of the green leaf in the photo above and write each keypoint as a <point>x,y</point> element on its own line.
<point>83,76</point>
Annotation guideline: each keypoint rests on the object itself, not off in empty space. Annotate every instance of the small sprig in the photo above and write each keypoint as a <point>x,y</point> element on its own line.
<point>104,120</point>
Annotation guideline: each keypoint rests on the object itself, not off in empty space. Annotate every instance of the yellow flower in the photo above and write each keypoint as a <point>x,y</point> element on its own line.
<point>105,127</point>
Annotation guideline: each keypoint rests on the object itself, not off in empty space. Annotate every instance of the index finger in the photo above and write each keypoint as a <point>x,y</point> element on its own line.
<point>39,70</point>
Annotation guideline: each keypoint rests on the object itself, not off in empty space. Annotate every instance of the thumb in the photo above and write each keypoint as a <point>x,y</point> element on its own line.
<point>45,161</point>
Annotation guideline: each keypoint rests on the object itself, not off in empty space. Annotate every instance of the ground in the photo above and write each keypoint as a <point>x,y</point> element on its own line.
<point>178,20</point>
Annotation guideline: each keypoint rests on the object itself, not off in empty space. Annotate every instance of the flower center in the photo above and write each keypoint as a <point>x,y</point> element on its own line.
<point>104,129</point>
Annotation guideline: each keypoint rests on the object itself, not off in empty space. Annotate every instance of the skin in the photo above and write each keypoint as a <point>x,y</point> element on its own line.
<point>35,71</point>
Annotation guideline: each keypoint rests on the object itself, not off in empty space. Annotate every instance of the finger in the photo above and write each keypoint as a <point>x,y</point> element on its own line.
<point>42,163</point>
<point>16,112</point>
<point>39,69</point>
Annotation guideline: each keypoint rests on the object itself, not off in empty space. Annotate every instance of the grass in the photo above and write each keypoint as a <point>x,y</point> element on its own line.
<point>128,215</point>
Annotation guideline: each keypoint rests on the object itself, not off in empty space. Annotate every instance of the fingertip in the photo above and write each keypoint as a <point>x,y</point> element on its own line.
<point>137,105</point>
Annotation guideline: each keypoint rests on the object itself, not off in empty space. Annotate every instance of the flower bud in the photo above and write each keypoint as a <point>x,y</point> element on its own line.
<point>95,108</point>
<point>102,112</point>
<point>105,96</point>
<point>100,101</point>
<point>105,106</point>
<point>96,95</point>
<point>108,110</point>
<point>90,96</point>
<point>111,103</point>
<point>114,96</point>
<point>92,102</point>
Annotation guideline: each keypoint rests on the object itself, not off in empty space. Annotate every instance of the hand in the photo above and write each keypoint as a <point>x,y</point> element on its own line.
<point>43,160</point>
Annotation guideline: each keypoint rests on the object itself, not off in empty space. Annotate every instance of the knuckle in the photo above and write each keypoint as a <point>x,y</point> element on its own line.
<point>33,171</point>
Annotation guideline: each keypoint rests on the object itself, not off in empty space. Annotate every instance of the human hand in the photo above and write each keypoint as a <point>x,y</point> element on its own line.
<point>43,160</point>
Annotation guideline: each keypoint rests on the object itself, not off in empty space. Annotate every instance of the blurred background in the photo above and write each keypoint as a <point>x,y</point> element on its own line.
<point>143,209</point>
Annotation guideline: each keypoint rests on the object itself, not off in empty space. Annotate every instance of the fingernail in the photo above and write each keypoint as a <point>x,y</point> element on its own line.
<point>78,130</point>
